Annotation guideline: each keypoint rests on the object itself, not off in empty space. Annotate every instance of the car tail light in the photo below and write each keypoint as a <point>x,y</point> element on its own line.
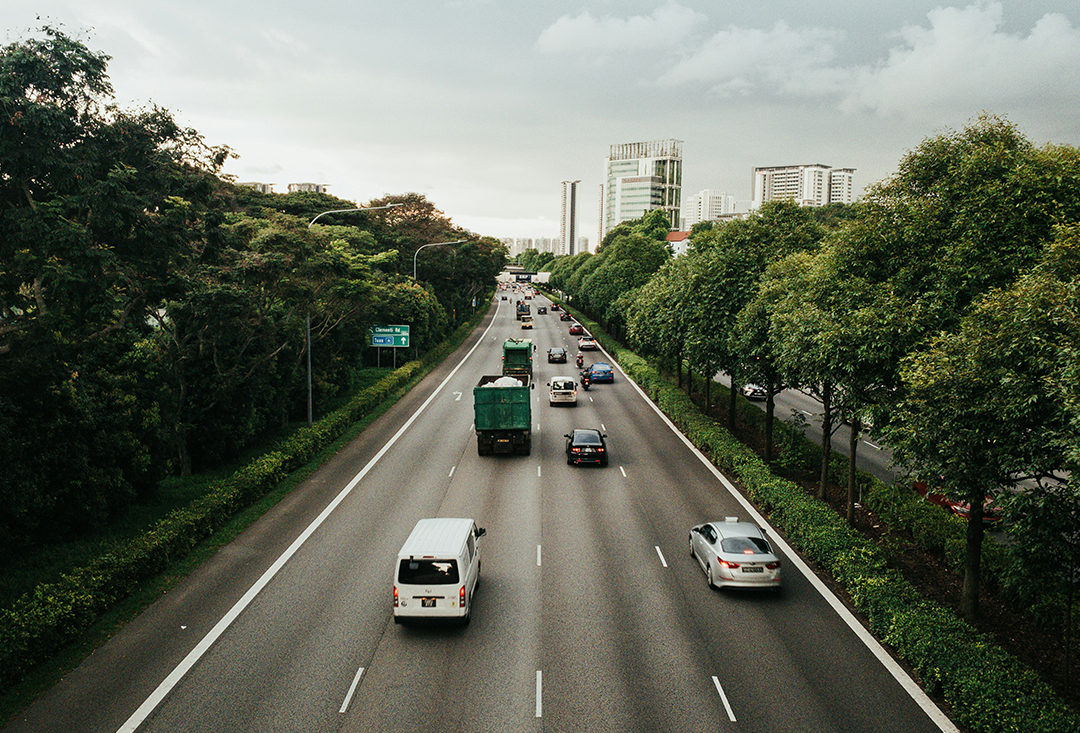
<point>575,449</point>
<point>728,564</point>
<point>395,597</point>
<point>600,449</point>
<point>772,565</point>
<point>461,597</point>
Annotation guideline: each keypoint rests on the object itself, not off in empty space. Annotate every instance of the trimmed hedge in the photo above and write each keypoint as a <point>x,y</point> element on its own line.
<point>988,690</point>
<point>41,622</point>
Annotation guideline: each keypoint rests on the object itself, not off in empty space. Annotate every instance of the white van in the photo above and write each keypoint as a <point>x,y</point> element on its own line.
<point>437,570</point>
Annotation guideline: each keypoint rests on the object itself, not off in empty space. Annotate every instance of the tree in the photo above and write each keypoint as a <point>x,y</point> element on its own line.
<point>981,408</point>
<point>96,204</point>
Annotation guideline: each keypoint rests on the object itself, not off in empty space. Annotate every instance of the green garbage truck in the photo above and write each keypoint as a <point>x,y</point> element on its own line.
<point>518,356</point>
<point>503,413</point>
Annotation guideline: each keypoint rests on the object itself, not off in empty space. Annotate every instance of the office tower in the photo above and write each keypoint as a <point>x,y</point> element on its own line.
<point>641,177</point>
<point>568,226</point>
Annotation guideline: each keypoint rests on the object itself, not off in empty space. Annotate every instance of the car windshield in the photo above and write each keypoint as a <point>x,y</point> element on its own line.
<point>745,546</point>
<point>427,572</point>
<point>586,439</point>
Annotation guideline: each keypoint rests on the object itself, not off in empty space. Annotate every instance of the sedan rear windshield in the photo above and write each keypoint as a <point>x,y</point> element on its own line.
<point>586,439</point>
<point>428,572</point>
<point>745,546</point>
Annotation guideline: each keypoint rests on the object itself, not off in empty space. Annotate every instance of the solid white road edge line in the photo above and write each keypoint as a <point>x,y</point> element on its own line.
<point>212,636</point>
<point>727,705</point>
<point>539,694</point>
<point>352,690</point>
<point>663,561</point>
<point>899,674</point>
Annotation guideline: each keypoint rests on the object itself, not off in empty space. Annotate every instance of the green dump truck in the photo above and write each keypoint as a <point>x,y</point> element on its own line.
<point>503,414</point>
<point>518,357</point>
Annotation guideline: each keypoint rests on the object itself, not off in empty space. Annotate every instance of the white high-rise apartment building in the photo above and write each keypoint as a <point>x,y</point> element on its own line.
<point>807,185</point>
<point>707,205</point>
<point>641,177</point>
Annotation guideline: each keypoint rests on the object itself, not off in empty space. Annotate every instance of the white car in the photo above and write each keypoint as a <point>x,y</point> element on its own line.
<point>754,392</point>
<point>735,554</point>
<point>586,343</point>
<point>562,390</point>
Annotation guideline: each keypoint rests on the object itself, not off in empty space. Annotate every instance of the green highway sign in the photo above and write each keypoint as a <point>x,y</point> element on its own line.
<point>389,336</point>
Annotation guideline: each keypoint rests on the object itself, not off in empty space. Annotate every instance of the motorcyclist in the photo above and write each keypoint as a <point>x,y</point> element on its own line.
<point>586,378</point>
<point>580,360</point>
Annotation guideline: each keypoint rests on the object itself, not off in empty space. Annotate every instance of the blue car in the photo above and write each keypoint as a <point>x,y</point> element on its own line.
<point>601,371</point>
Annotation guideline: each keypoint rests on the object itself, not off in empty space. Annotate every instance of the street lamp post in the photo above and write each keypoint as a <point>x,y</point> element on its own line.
<point>433,244</point>
<point>308,319</point>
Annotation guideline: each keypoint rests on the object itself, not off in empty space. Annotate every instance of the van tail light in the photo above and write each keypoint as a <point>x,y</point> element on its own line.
<point>395,597</point>
<point>728,564</point>
<point>461,597</point>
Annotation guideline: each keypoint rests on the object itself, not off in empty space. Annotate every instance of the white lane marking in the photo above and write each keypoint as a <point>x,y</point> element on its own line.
<point>602,427</point>
<point>352,689</point>
<point>662,560</point>
<point>899,674</point>
<point>538,470</point>
<point>458,399</point>
<point>727,705</point>
<point>452,469</point>
<point>538,556</point>
<point>538,424</point>
<point>590,399</point>
<point>623,471</point>
<point>539,695</point>
<point>215,633</point>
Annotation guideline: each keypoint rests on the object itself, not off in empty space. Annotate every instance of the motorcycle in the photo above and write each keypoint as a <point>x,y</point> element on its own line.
<point>585,379</point>
<point>580,361</point>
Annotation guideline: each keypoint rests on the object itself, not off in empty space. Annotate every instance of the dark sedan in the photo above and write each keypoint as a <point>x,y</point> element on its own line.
<point>586,445</point>
<point>557,355</point>
<point>564,316</point>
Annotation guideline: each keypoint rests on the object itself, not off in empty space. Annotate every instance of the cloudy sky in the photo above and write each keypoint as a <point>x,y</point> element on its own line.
<point>485,106</point>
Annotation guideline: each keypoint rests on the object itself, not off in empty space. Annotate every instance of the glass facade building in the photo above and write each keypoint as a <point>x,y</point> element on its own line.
<point>640,177</point>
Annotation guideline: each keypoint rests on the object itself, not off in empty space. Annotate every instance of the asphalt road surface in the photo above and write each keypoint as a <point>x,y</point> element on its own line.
<point>590,614</point>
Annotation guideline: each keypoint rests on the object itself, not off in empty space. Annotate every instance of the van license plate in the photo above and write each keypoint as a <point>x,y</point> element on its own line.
<point>427,603</point>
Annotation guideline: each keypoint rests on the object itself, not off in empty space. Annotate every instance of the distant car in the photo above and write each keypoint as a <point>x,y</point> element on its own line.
<point>504,297</point>
<point>735,554</point>
<point>562,390</point>
<point>541,310</point>
<point>526,322</point>
<point>564,316</point>
<point>557,355</point>
<point>586,343</point>
<point>754,392</point>
<point>576,329</point>
<point>555,307</point>
<point>601,371</point>
<point>586,445</point>
<point>992,514</point>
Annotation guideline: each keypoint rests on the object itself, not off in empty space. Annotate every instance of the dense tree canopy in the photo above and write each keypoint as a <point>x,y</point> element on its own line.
<point>152,315</point>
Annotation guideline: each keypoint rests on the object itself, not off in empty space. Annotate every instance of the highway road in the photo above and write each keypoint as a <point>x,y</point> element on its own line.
<point>590,614</point>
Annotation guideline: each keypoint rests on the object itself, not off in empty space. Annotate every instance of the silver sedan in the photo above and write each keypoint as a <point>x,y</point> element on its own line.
<point>735,554</point>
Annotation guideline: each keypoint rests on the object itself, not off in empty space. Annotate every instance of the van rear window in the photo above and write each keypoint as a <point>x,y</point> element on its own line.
<point>419,571</point>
